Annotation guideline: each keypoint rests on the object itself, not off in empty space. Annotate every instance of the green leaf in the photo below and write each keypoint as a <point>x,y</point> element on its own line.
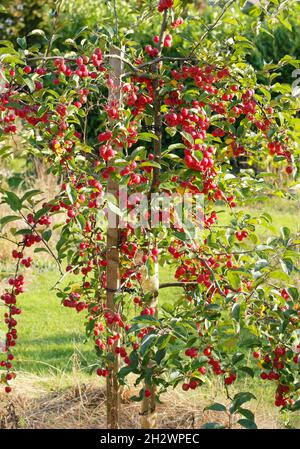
<point>147,136</point>
<point>171,131</point>
<point>159,355</point>
<point>233,279</point>
<point>8,219</point>
<point>217,407</point>
<point>147,319</point>
<point>81,220</point>
<point>21,41</point>
<point>265,92</point>
<point>247,413</point>
<point>175,146</point>
<point>28,195</point>
<point>146,342</point>
<point>235,312</point>
<point>134,359</point>
<point>188,137</point>
<point>63,239</point>
<point>47,234</point>
<point>150,164</point>
<point>41,250</point>
<point>41,212</point>
<point>25,231</point>
<point>285,23</point>
<point>287,266</point>
<point>294,293</point>
<point>240,399</point>
<point>163,341</point>
<point>37,32</point>
<point>248,339</point>
<point>30,83</point>
<point>247,370</point>
<point>72,193</point>
<point>13,201</point>
<point>247,423</point>
<point>260,264</point>
<point>285,233</point>
<point>150,266</point>
<point>237,357</point>
<point>124,371</point>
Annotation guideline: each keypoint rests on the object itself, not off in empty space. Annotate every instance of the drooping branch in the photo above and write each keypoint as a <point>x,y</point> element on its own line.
<point>108,56</point>
<point>33,229</point>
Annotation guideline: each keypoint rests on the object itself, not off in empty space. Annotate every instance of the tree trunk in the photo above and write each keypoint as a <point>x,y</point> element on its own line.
<point>113,271</point>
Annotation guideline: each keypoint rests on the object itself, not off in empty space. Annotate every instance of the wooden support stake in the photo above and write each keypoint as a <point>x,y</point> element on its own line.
<point>113,270</point>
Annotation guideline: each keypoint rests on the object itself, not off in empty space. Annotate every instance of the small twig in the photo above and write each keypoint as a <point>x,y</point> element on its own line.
<point>209,29</point>
<point>73,59</point>
<point>54,27</point>
<point>116,18</point>
<point>213,276</point>
<point>177,284</point>
<point>63,276</point>
<point>44,242</point>
<point>9,240</point>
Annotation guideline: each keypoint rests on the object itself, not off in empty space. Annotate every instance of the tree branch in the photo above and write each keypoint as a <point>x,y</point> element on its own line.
<point>177,284</point>
<point>116,18</point>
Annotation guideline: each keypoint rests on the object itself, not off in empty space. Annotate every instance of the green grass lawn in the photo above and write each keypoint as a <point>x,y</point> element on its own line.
<point>52,337</point>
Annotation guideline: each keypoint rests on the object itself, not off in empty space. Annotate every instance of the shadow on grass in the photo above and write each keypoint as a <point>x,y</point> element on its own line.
<point>56,353</point>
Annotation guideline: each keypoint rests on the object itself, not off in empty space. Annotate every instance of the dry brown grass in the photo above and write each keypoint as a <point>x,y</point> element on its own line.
<point>81,405</point>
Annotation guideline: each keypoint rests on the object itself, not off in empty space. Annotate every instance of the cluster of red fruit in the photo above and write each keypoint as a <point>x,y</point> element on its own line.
<point>215,364</point>
<point>73,302</point>
<point>9,300</point>
<point>16,287</point>
<point>165,4</point>
<point>8,122</point>
<point>82,69</point>
<point>273,365</point>
<point>200,271</point>
<point>13,108</point>
<point>241,235</point>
